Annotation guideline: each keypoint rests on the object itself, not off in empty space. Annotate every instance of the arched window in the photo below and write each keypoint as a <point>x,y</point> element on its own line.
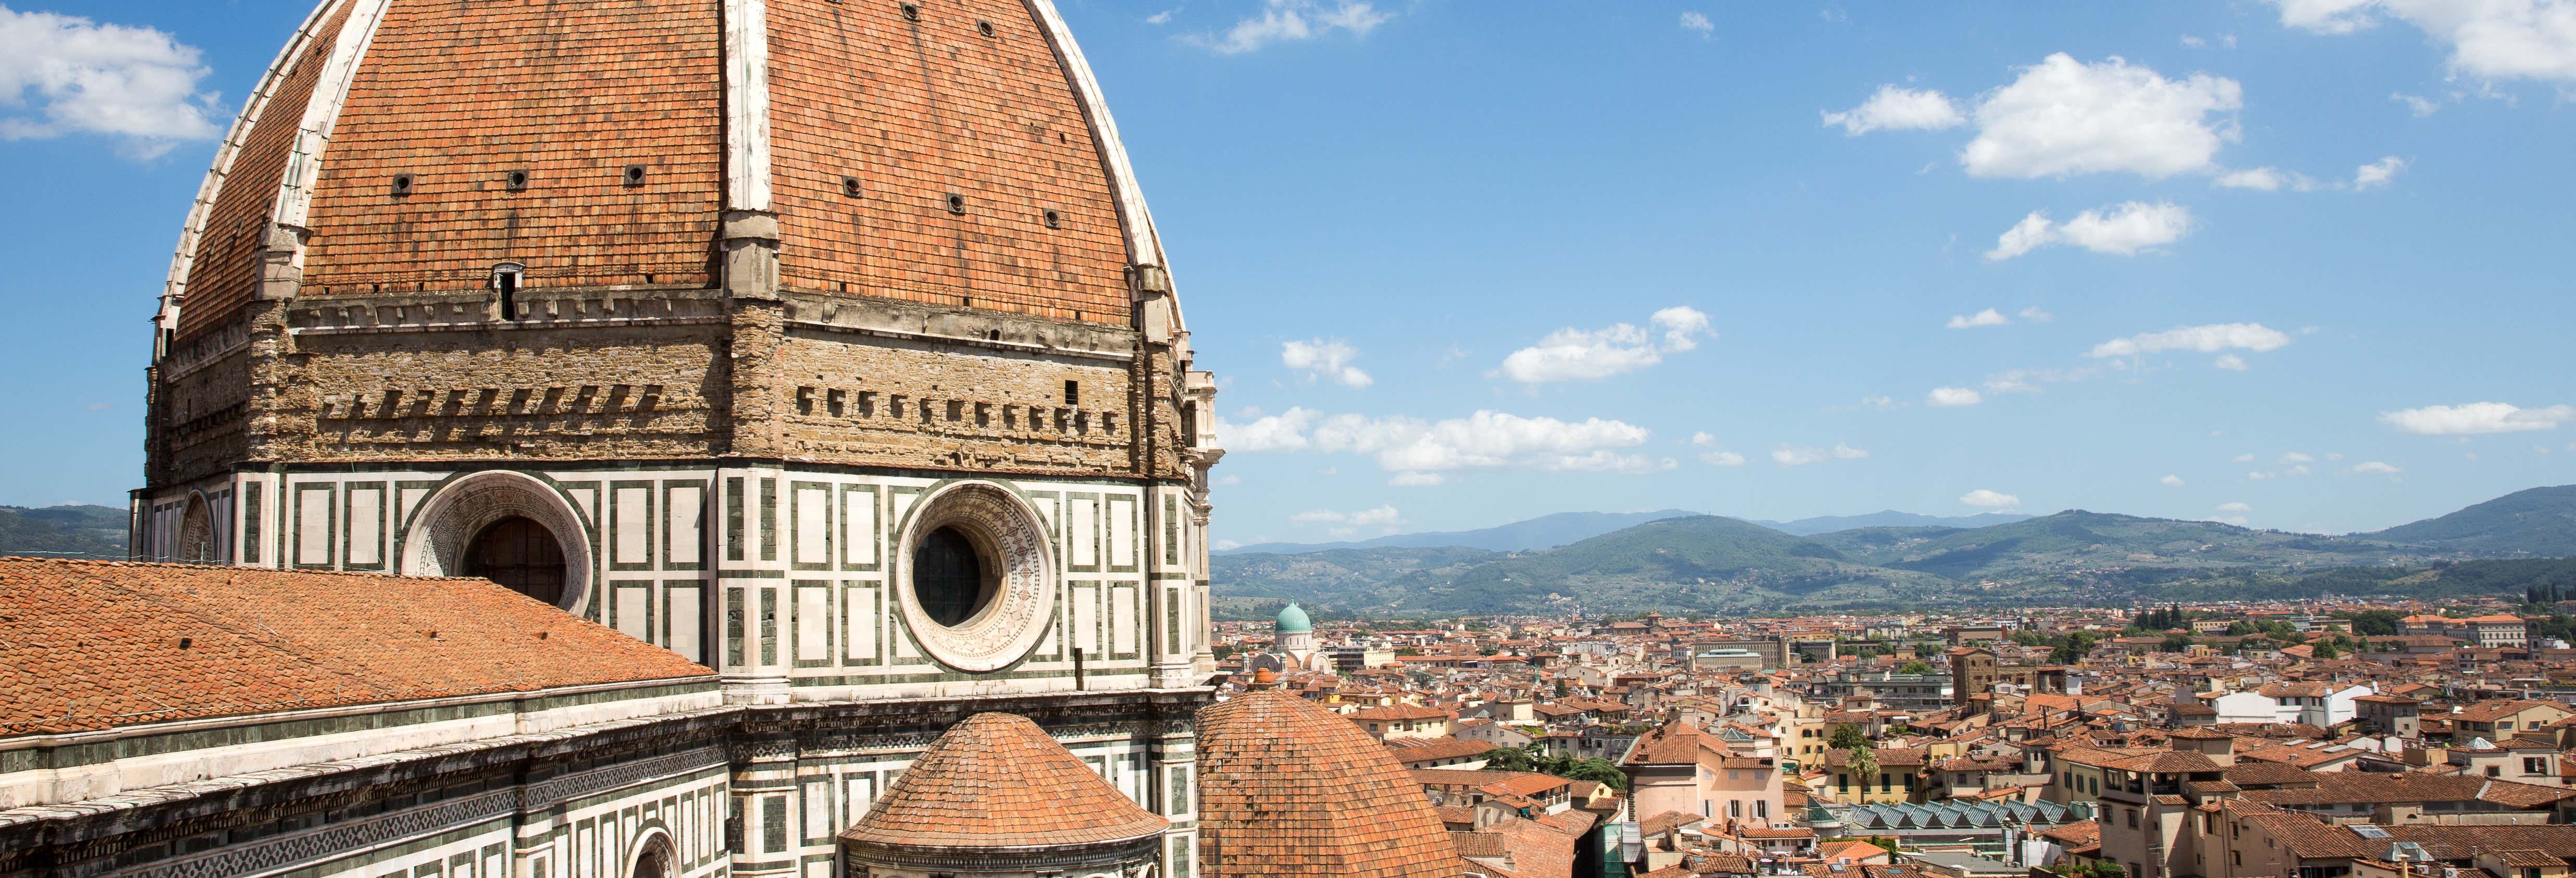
<point>521,554</point>
<point>948,577</point>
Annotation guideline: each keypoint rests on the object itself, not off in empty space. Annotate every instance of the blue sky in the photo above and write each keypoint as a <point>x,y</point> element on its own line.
<point>2295,264</point>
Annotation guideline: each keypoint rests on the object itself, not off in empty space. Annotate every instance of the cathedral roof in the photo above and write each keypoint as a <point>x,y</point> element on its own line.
<point>952,153</point>
<point>1293,620</point>
<point>90,645</point>
<point>998,781</point>
<point>1289,788</point>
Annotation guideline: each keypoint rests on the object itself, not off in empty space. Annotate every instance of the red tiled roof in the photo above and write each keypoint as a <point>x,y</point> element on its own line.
<point>998,781</point>
<point>94,644</point>
<point>1289,788</point>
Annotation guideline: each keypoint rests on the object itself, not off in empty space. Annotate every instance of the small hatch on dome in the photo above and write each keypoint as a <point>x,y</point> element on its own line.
<point>634,175</point>
<point>956,203</point>
<point>850,186</point>
<point>515,181</point>
<point>911,11</point>
<point>1054,220</point>
<point>984,27</point>
<point>402,184</point>
<point>505,279</point>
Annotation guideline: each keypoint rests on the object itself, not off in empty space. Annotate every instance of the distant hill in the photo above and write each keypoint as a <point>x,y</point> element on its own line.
<point>2076,540</point>
<point>1888,518</point>
<point>72,531</point>
<point>1711,564</point>
<point>2540,522</point>
<point>1537,533</point>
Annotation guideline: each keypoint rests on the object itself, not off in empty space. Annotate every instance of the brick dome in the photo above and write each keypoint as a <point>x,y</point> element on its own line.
<point>949,152</point>
<point>1289,788</point>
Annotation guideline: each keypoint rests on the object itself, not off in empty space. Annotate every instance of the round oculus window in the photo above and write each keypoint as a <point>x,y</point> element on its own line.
<point>975,583</point>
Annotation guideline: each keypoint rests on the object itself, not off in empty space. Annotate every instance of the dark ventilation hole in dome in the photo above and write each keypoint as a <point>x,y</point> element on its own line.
<point>912,12</point>
<point>850,186</point>
<point>634,175</point>
<point>956,203</point>
<point>984,27</point>
<point>1054,220</point>
<point>402,184</point>
<point>517,181</point>
<point>948,577</point>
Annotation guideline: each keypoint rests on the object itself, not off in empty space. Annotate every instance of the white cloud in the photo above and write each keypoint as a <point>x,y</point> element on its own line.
<point>2297,457</point>
<point>1228,479</point>
<point>2334,455</point>
<point>2231,362</point>
<point>2489,39</point>
<point>2299,470</point>
<point>1417,480</point>
<point>1343,524</point>
<point>2378,173</point>
<point>1899,109</point>
<point>1290,20</point>
<point>2327,16</point>
<point>2243,458</point>
<point>74,76</point>
<point>1952,396</point>
<point>1163,17</point>
<point>1325,359</point>
<point>1484,440</point>
<point>1697,23</point>
<point>2373,466</point>
<point>2420,106</point>
<point>2063,117</point>
<point>1797,456</point>
<point>2208,339</point>
<point>2265,180</point>
<point>2477,418</point>
<point>2170,481</point>
<point>1593,354</point>
<point>1988,317</point>
<point>1878,403</point>
<point>1711,454</point>
<point>1225,545</point>
<point>2234,507</point>
<point>2035,315</point>
<point>1989,499</point>
<point>2123,229</point>
<point>2029,380</point>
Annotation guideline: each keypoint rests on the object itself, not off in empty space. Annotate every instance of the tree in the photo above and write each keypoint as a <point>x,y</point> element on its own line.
<point>1914,667</point>
<point>2375,623</point>
<point>2325,649</point>
<point>2175,642</point>
<point>1862,759</point>
<point>1221,651</point>
<point>1597,770</point>
<point>1510,759</point>
<point>2072,648</point>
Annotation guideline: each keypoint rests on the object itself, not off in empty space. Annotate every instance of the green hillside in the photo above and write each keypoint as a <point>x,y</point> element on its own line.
<point>2075,541</point>
<point>70,531</point>
<point>2540,521</point>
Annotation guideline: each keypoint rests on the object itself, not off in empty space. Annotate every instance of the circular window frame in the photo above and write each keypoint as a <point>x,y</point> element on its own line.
<point>434,543</point>
<point>1006,530</point>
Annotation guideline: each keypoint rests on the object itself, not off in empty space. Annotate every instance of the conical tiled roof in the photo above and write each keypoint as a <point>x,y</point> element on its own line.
<point>997,781</point>
<point>1289,788</point>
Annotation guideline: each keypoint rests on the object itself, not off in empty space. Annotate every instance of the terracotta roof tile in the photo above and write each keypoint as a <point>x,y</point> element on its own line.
<point>1289,788</point>
<point>97,644</point>
<point>997,780</point>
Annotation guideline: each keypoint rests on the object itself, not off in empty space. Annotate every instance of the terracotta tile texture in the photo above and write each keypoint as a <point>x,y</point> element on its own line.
<point>93,644</point>
<point>461,94</point>
<point>920,108</point>
<point>222,276</point>
<point>1289,788</point>
<point>998,780</point>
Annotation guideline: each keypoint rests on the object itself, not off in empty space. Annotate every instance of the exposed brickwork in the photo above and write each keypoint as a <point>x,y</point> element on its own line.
<point>859,403</point>
<point>998,781</point>
<point>943,108</point>
<point>92,644</point>
<point>224,274</point>
<point>572,92</point>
